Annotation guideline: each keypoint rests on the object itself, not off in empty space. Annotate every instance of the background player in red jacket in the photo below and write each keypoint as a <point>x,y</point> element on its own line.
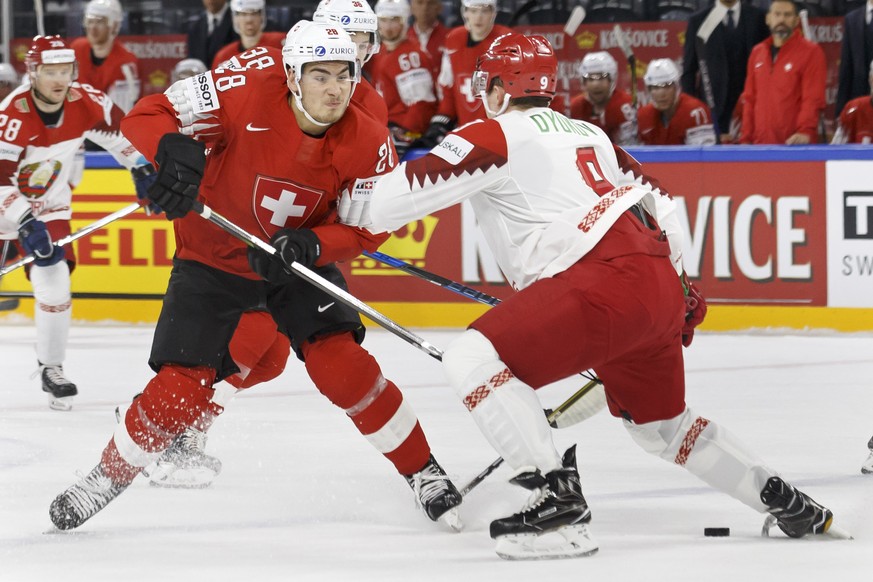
<point>427,30</point>
<point>103,63</point>
<point>43,125</point>
<point>608,108</point>
<point>405,78</point>
<point>673,117</point>
<point>464,44</point>
<point>284,143</point>
<point>785,84</point>
<point>856,125</point>
<point>249,21</point>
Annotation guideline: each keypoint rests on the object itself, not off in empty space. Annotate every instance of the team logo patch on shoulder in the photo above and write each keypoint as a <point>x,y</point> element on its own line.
<point>453,149</point>
<point>201,90</point>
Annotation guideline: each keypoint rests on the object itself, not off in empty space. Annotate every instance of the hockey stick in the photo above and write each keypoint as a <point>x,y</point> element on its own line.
<point>807,34</point>
<point>574,21</point>
<point>40,17</point>
<point>7,304</point>
<point>552,418</point>
<point>319,281</point>
<point>628,51</point>
<point>521,11</point>
<point>84,231</point>
<point>709,24</point>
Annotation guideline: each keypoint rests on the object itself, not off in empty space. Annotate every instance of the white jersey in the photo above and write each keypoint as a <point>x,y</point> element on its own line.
<point>39,163</point>
<point>545,189</point>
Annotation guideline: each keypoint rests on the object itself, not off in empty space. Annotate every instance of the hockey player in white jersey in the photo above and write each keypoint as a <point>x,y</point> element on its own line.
<point>593,248</point>
<point>42,125</point>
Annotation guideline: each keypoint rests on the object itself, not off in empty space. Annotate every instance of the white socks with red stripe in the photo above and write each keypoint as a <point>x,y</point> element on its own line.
<point>52,312</point>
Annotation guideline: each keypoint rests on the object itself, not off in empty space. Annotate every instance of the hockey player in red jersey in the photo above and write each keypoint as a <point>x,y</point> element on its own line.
<point>104,63</point>
<point>42,125</point>
<point>427,31</point>
<point>357,18</point>
<point>608,108</point>
<point>855,124</point>
<point>249,20</point>
<point>284,143</point>
<point>673,117</point>
<point>594,249</point>
<point>464,44</point>
<point>404,78</point>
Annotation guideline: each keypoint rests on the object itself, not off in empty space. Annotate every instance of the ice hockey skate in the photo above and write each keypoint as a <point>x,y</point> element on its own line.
<point>60,390</point>
<point>554,524</point>
<point>185,464</point>
<point>867,467</point>
<point>796,513</point>
<point>436,494</point>
<point>83,500</point>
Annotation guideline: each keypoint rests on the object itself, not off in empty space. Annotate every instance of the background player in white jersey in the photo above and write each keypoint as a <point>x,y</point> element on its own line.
<point>593,249</point>
<point>284,143</point>
<point>42,125</point>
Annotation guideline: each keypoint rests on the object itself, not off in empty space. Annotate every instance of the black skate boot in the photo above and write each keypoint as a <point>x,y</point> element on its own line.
<point>793,511</point>
<point>83,500</point>
<point>436,494</point>
<point>60,390</point>
<point>185,463</point>
<point>556,507</point>
<point>867,467</point>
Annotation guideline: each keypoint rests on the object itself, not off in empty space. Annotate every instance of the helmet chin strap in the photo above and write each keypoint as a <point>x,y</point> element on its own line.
<point>299,101</point>
<point>488,109</point>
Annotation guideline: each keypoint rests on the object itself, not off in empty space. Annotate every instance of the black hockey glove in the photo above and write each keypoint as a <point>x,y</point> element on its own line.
<point>35,239</point>
<point>440,125</point>
<point>291,245</point>
<point>180,160</point>
<point>143,179</point>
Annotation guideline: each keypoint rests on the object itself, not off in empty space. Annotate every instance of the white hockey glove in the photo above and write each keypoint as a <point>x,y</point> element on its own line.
<point>354,203</point>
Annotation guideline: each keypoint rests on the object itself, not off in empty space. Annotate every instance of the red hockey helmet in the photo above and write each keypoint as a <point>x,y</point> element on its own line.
<point>49,50</point>
<point>527,65</point>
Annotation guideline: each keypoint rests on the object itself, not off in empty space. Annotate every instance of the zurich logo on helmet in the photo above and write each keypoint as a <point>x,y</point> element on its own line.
<point>345,20</point>
<point>320,51</point>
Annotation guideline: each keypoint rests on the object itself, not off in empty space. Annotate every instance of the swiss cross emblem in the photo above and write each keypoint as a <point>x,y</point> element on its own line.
<point>283,204</point>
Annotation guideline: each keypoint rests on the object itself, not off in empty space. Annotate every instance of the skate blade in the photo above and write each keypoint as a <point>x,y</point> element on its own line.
<point>178,478</point>
<point>64,403</point>
<point>452,518</point>
<point>570,541</point>
<point>833,531</point>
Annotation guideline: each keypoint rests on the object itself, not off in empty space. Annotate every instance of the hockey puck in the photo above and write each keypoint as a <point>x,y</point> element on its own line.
<point>716,532</point>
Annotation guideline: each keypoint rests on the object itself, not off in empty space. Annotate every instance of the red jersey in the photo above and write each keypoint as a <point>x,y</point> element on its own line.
<point>433,43</point>
<point>405,80</point>
<point>117,75</point>
<point>37,162</point>
<point>618,119</point>
<point>271,39</point>
<point>262,171</point>
<point>690,125</point>
<point>856,122</point>
<point>785,96</point>
<point>457,101</point>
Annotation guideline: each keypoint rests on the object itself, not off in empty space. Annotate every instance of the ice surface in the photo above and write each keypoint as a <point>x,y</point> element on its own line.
<point>304,497</point>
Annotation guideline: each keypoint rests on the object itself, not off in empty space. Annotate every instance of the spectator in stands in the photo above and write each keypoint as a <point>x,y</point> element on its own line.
<point>785,83</point>
<point>428,31</point>
<point>856,121</point>
<point>187,68</point>
<point>724,55</point>
<point>210,30</point>
<point>405,78</point>
<point>464,45</point>
<point>249,22</point>
<point>602,104</point>
<point>8,80</point>
<point>857,51</point>
<point>103,63</point>
<point>672,117</point>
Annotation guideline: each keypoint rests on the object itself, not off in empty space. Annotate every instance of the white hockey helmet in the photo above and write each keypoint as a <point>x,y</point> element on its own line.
<point>351,16</point>
<point>108,9</point>
<point>187,68</point>
<point>248,6</point>
<point>8,74</point>
<point>393,9</point>
<point>600,63</point>
<point>661,72</point>
<point>472,3</point>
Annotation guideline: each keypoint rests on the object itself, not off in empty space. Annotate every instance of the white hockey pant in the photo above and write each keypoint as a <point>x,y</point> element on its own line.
<point>709,452</point>
<point>52,313</point>
<point>507,411</point>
